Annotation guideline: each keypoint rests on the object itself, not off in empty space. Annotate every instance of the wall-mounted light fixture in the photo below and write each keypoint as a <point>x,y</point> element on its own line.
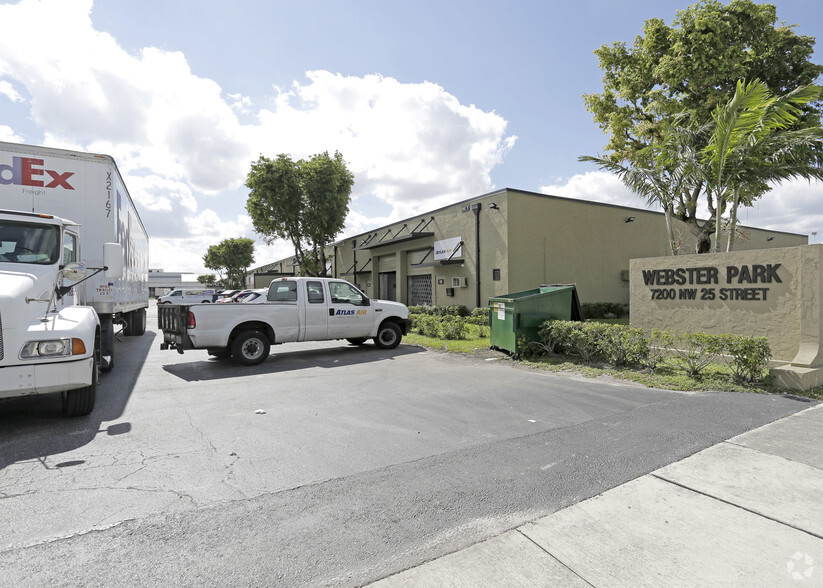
<point>494,206</point>
<point>630,219</point>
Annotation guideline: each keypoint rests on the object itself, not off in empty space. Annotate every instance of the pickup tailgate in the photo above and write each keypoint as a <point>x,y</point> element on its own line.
<point>172,320</point>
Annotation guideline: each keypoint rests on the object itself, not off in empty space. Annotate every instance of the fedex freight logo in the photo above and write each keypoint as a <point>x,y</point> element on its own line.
<point>349,312</point>
<point>28,171</point>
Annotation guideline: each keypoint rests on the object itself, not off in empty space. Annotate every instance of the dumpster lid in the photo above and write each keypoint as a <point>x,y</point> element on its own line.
<point>576,312</point>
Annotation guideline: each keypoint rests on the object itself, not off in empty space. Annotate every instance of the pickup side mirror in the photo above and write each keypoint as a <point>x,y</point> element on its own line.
<point>113,260</point>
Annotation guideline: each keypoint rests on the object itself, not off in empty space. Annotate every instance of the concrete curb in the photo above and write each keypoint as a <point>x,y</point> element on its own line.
<point>745,512</point>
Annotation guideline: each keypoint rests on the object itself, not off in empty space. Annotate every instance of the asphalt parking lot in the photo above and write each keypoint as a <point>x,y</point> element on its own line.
<point>325,465</point>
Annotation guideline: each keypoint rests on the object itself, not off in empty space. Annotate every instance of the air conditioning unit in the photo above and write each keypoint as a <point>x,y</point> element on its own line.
<point>460,282</point>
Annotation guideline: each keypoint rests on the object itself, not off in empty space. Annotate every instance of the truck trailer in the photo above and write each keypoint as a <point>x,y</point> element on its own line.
<point>73,270</point>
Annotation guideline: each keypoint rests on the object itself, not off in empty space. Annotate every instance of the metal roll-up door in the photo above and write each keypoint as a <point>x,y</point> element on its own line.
<point>387,263</point>
<point>417,256</point>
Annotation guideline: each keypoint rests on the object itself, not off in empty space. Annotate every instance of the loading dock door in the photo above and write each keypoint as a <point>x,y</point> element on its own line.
<point>420,290</point>
<point>388,286</point>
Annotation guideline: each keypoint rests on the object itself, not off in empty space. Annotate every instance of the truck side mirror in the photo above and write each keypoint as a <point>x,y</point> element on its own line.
<point>113,260</point>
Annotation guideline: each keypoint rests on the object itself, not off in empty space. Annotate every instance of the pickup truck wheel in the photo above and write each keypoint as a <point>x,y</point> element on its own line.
<point>357,340</point>
<point>250,348</point>
<point>389,335</point>
<point>80,401</point>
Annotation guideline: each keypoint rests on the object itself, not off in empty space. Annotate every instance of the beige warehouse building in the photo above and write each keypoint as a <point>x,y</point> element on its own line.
<point>508,241</point>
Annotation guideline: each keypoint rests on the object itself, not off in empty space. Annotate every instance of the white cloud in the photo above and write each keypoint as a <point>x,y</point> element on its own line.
<point>596,186</point>
<point>414,146</point>
<point>178,140</point>
<point>8,134</point>
<point>7,90</point>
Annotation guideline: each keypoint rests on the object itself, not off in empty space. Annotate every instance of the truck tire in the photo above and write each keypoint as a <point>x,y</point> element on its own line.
<point>80,401</point>
<point>205,301</point>
<point>250,348</point>
<point>388,336</point>
<point>135,322</point>
<point>357,340</point>
<point>138,322</point>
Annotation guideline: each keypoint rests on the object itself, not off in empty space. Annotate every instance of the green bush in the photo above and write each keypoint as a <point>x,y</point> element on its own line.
<point>479,316</point>
<point>453,327</point>
<point>622,345</point>
<point>592,310</point>
<point>747,356</point>
<point>451,310</point>
<point>697,350</point>
<point>660,343</point>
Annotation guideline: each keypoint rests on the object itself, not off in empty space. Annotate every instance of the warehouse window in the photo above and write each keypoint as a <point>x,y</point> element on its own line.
<point>496,275</point>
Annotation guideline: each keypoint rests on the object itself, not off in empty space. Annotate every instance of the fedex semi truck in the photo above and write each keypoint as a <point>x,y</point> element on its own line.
<point>73,272</point>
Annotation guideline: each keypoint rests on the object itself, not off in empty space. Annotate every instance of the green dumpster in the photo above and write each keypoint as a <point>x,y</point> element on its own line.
<point>520,314</point>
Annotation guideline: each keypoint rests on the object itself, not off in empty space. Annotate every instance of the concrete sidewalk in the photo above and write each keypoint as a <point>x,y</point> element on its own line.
<point>746,512</point>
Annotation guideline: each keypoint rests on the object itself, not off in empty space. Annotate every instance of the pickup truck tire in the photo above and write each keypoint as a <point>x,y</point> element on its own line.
<point>205,301</point>
<point>357,340</point>
<point>388,336</point>
<point>250,348</point>
<point>80,401</point>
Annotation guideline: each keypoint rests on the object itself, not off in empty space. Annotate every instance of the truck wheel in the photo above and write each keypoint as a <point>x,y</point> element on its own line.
<point>389,335</point>
<point>80,401</point>
<point>138,322</point>
<point>205,301</point>
<point>250,348</point>
<point>357,340</point>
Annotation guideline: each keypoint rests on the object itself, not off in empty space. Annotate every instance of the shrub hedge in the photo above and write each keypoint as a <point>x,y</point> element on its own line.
<point>623,346</point>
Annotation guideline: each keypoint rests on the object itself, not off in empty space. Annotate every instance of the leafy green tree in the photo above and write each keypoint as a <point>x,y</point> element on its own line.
<point>753,144</point>
<point>207,279</point>
<point>304,202</point>
<point>234,256</point>
<point>684,72</point>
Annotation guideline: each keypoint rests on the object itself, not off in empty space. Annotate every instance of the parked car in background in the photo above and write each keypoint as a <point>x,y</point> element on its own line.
<point>256,296</point>
<point>225,295</point>
<point>187,296</point>
<point>238,297</point>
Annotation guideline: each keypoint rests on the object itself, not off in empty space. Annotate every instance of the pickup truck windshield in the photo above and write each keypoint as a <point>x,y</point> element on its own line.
<point>29,243</point>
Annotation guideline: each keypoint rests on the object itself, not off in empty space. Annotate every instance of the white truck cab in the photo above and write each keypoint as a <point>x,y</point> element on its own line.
<point>48,343</point>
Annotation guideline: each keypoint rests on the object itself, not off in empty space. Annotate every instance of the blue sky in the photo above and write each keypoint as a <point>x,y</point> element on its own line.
<point>429,102</point>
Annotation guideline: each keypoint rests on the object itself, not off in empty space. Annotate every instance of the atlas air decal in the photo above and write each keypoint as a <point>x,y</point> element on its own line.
<point>349,312</point>
<point>28,171</point>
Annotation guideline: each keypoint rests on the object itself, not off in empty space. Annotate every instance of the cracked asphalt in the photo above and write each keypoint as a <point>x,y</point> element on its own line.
<point>327,465</point>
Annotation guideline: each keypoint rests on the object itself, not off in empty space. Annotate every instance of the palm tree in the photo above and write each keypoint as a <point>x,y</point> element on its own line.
<point>753,144</point>
<point>665,173</point>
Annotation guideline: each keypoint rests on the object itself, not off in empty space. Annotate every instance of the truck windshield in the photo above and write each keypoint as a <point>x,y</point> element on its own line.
<point>29,243</point>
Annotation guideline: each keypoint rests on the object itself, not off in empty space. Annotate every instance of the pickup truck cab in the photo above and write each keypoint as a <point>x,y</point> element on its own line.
<point>296,309</point>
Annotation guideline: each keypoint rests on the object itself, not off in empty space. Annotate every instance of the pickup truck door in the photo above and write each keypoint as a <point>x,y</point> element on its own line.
<point>350,314</point>
<point>316,312</point>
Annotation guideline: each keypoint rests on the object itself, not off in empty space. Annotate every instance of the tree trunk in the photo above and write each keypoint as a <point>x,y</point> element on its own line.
<point>701,234</point>
<point>733,220</point>
<point>669,231</point>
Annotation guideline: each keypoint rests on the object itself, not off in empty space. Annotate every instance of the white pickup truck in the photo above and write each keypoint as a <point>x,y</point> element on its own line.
<point>296,309</point>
